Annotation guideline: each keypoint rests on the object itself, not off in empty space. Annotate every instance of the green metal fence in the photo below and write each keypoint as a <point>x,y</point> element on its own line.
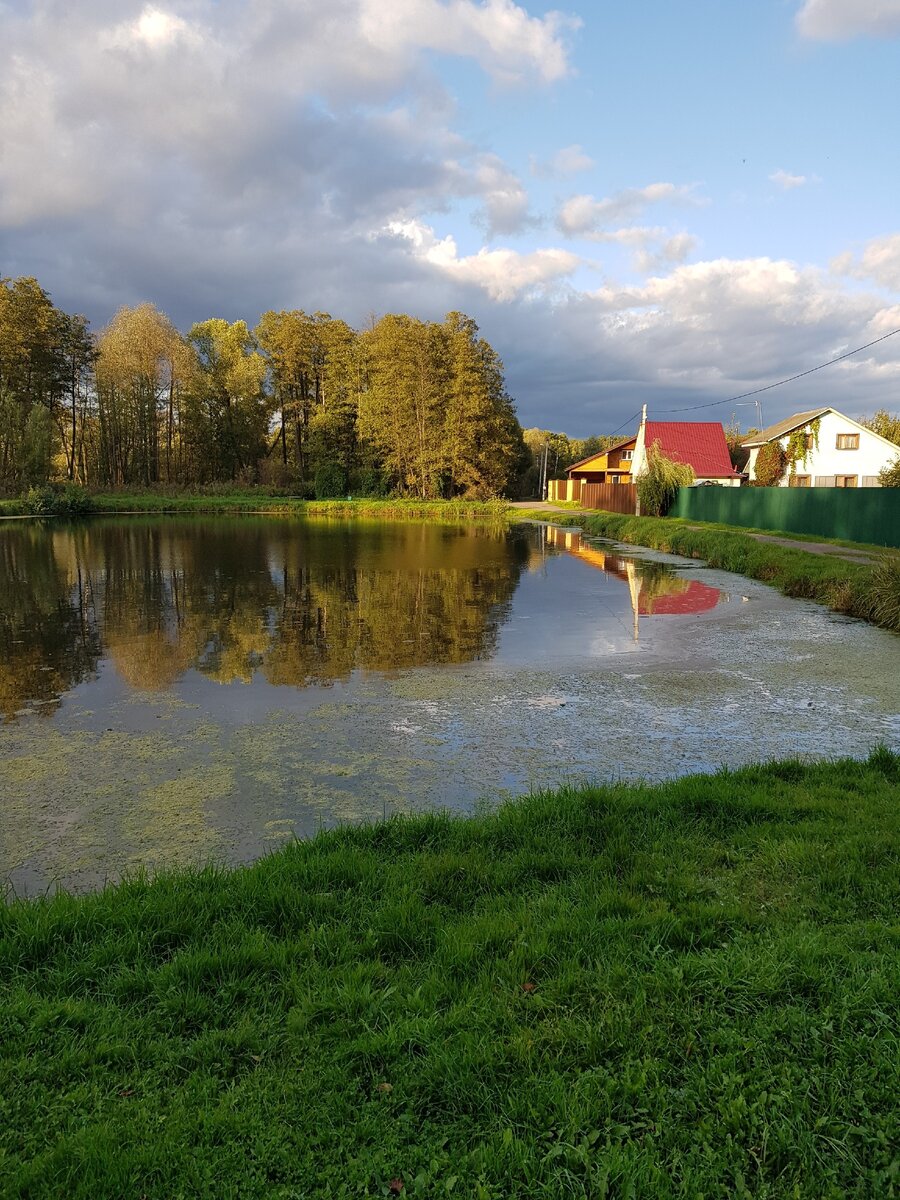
<point>853,514</point>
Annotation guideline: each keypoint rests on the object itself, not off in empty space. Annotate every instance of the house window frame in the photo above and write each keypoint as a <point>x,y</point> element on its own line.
<point>851,438</point>
<point>800,481</point>
<point>627,455</point>
<point>841,481</point>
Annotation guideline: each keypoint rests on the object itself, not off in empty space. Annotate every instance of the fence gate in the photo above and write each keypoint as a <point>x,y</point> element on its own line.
<point>611,497</point>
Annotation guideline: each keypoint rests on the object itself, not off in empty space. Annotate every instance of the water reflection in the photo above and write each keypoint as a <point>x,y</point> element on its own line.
<point>654,588</point>
<point>298,603</point>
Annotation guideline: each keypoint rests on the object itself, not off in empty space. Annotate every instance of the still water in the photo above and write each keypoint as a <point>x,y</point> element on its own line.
<point>180,689</point>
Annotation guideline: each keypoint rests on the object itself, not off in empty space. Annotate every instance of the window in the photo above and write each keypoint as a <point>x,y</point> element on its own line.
<point>848,441</point>
<point>845,481</point>
<point>799,481</point>
<point>627,455</point>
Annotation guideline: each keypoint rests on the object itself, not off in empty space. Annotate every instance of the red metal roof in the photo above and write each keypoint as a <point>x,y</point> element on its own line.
<point>699,443</point>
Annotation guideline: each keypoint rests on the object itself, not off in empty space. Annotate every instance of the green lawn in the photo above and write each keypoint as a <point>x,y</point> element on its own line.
<point>682,990</point>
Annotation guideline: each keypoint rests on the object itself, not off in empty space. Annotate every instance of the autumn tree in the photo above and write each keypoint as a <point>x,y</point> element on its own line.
<point>229,401</point>
<point>142,370</point>
<point>402,411</point>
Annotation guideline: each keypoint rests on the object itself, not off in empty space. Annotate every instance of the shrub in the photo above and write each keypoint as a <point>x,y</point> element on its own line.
<point>771,463</point>
<point>657,486</point>
<point>884,592</point>
<point>889,476</point>
<point>330,482</point>
<point>53,500</point>
<point>368,481</point>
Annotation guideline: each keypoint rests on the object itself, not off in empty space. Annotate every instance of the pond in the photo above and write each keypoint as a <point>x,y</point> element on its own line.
<point>174,690</point>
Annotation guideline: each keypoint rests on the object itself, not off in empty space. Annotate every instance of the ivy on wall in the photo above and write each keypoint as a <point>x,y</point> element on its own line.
<point>800,442</point>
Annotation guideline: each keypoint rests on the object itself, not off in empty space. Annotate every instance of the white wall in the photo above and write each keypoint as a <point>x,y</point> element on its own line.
<point>874,453</point>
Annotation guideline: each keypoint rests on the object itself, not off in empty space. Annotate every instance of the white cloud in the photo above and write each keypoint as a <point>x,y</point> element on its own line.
<point>505,208</point>
<point>784,179</point>
<point>568,161</point>
<point>506,41</point>
<point>102,103</point>
<point>654,247</point>
<point>839,20</point>
<point>504,274</point>
<point>585,216</point>
<point>880,261</point>
<point>154,28</point>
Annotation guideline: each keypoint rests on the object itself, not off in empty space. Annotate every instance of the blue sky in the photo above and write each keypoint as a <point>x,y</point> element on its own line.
<point>640,202</point>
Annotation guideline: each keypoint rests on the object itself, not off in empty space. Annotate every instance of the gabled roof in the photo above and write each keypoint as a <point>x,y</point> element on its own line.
<point>701,444</point>
<point>800,419</point>
<point>788,425</point>
<point>602,453</point>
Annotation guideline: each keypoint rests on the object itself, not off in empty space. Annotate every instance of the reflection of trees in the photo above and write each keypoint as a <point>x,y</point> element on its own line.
<point>302,603</point>
<point>48,636</point>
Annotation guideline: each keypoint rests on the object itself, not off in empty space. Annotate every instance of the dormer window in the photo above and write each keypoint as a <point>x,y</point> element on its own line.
<point>848,441</point>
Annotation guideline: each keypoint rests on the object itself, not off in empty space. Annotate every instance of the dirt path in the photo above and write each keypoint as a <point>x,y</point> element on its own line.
<point>825,548</point>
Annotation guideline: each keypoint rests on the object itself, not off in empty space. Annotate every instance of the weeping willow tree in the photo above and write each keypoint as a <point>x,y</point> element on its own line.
<point>658,484</point>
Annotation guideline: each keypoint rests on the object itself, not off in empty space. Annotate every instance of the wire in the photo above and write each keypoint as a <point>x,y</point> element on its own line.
<point>624,423</point>
<point>768,387</point>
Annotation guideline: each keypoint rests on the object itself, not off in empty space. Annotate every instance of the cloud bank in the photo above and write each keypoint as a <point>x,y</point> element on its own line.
<point>220,157</point>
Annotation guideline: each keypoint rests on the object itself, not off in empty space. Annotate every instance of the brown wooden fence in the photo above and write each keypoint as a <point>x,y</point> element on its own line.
<point>611,497</point>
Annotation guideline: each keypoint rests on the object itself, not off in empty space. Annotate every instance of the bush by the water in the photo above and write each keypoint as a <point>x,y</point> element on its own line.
<point>331,482</point>
<point>54,500</point>
<point>658,485</point>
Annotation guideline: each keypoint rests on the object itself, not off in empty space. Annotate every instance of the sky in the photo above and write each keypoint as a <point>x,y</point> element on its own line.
<point>639,202</point>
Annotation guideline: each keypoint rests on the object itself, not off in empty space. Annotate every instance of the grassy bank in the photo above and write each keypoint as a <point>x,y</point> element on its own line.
<point>870,592</point>
<point>258,502</point>
<point>681,990</point>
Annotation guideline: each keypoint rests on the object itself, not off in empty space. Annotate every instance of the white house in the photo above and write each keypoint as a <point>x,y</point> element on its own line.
<point>829,449</point>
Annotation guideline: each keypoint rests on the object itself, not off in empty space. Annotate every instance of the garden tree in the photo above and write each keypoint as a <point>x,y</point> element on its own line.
<point>142,370</point>
<point>483,441</point>
<point>734,440</point>
<point>886,424</point>
<point>229,413</point>
<point>402,411</point>
<point>658,483</point>
<point>889,476</point>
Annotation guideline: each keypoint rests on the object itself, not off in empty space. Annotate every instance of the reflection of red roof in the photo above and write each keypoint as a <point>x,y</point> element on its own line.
<point>696,597</point>
<point>699,443</point>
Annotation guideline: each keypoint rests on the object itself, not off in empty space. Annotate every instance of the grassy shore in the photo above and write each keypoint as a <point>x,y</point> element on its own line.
<point>868,591</point>
<point>684,990</point>
<point>253,501</point>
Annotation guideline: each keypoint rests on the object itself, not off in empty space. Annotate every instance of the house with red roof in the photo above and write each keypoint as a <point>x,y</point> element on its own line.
<point>699,444</point>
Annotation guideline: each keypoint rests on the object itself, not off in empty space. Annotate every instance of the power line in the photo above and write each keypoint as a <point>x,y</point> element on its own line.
<point>624,423</point>
<point>768,387</point>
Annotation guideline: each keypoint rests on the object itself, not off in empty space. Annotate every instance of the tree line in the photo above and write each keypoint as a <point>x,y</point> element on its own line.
<point>302,402</point>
